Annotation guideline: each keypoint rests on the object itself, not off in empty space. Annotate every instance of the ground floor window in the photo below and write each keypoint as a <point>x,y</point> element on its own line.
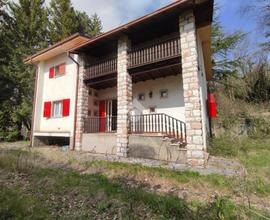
<point>57,109</point>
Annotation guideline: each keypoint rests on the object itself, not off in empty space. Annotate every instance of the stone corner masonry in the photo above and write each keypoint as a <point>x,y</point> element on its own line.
<point>124,96</point>
<point>196,154</point>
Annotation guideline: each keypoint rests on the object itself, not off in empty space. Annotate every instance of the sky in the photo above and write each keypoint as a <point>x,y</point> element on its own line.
<point>116,12</point>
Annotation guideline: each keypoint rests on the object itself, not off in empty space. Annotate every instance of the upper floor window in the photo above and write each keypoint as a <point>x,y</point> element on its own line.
<point>57,71</point>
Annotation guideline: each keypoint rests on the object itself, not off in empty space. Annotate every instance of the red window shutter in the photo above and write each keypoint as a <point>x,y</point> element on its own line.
<point>62,69</point>
<point>66,107</point>
<point>51,74</point>
<point>47,110</point>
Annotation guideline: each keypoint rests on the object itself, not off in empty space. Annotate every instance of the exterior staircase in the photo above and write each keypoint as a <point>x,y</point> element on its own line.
<point>171,129</point>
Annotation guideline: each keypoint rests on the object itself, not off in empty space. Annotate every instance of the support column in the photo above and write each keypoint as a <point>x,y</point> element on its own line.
<point>124,97</point>
<point>196,154</point>
<point>82,107</point>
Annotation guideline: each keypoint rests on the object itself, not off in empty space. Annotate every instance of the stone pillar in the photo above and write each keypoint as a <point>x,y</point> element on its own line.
<point>124,97</point>
<point>82,107</point>
<point>193,107</point>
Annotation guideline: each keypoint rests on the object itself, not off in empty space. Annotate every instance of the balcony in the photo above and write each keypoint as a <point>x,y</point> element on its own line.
<point>104,67</point>
<point>149,60</point>
<point>155,51</point>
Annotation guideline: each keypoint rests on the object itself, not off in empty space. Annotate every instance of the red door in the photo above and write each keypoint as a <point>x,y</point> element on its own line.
<point>102,115</point>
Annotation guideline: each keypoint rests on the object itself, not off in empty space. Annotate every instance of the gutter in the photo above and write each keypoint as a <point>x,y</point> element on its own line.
<point>76,100</point>
<point>34,108</point>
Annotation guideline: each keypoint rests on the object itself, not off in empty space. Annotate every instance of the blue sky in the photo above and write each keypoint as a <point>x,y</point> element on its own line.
<point>116,12</point>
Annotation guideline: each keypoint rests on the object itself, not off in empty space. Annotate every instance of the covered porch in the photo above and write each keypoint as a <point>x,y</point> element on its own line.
<point>146,85</point>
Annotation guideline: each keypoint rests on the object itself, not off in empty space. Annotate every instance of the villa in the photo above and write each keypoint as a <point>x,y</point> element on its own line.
<point>137,91</point>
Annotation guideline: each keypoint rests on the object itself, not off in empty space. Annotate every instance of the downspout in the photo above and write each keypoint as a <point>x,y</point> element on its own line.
<point>34,107</point>
<point>76,100</point>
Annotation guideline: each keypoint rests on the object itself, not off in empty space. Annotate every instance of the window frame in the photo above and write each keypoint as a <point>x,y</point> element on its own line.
<point>56,71</point>
<point>61,109</point>
<point>142,95</point>
<point>163,91</point>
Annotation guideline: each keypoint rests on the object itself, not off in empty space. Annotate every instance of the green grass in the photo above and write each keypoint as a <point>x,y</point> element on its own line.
<point>179,176</point>
<point>49,192</point>
<point>15,205</point>
<point>254,154</point>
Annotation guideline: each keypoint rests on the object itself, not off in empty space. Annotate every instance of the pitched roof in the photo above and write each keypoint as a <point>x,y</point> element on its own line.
<point>60,47</point>
<point>77,41</point>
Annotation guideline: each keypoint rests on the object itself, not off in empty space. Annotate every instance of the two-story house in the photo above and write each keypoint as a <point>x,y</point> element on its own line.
<point>139,90</point>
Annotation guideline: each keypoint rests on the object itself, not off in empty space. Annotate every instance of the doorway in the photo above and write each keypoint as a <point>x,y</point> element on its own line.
<point>108,115</point>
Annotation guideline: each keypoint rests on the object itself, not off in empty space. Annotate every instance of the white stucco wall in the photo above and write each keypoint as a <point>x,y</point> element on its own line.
<point>203,89</point>
<point>54,89</point>
<point>173,105</point>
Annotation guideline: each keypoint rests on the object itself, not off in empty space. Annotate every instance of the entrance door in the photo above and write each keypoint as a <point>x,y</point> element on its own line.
<point>107,114</point>
<point>102,115</point>
<point>111,113</point>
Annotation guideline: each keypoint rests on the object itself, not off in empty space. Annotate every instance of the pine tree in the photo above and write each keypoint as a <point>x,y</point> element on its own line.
<point>89,26</point>
<point>27,30</point>
<point>65,21</point>
<point>223,44</point>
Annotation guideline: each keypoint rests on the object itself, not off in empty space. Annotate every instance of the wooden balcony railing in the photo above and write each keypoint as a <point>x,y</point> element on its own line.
<point>160,124</point>
<point>103,67</point>
<point>164,49</point>
<point>100,124</point>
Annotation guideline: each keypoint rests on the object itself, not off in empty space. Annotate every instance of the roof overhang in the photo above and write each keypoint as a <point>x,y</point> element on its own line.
<point>58,48</point>
<point>205,36</point>
<point>203,10</point>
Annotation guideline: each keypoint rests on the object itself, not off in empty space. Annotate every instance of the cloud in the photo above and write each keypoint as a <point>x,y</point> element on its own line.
<point>117,12</point>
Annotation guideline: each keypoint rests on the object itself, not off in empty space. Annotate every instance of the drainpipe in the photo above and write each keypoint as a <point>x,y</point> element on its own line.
<point>34,107</point>
<point>76,100</point>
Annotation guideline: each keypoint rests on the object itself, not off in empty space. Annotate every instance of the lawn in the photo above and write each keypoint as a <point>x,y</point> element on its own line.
<point>60,185</point>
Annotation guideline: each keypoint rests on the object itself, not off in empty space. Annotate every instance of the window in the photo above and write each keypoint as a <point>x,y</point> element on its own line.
<point>57,109</point>
<point>60,70</point>
<point>163,93</point>
<point>141,97</point>
<point>57,71</point>
<point>152,109</point>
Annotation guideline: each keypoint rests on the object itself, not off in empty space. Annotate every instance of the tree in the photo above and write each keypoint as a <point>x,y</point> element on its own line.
<point>260,9</point>
<point>26,31</point>
<point>89,26</point>
<point>223,45</point>
<point>27,26</point>
<point>65,21</point>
